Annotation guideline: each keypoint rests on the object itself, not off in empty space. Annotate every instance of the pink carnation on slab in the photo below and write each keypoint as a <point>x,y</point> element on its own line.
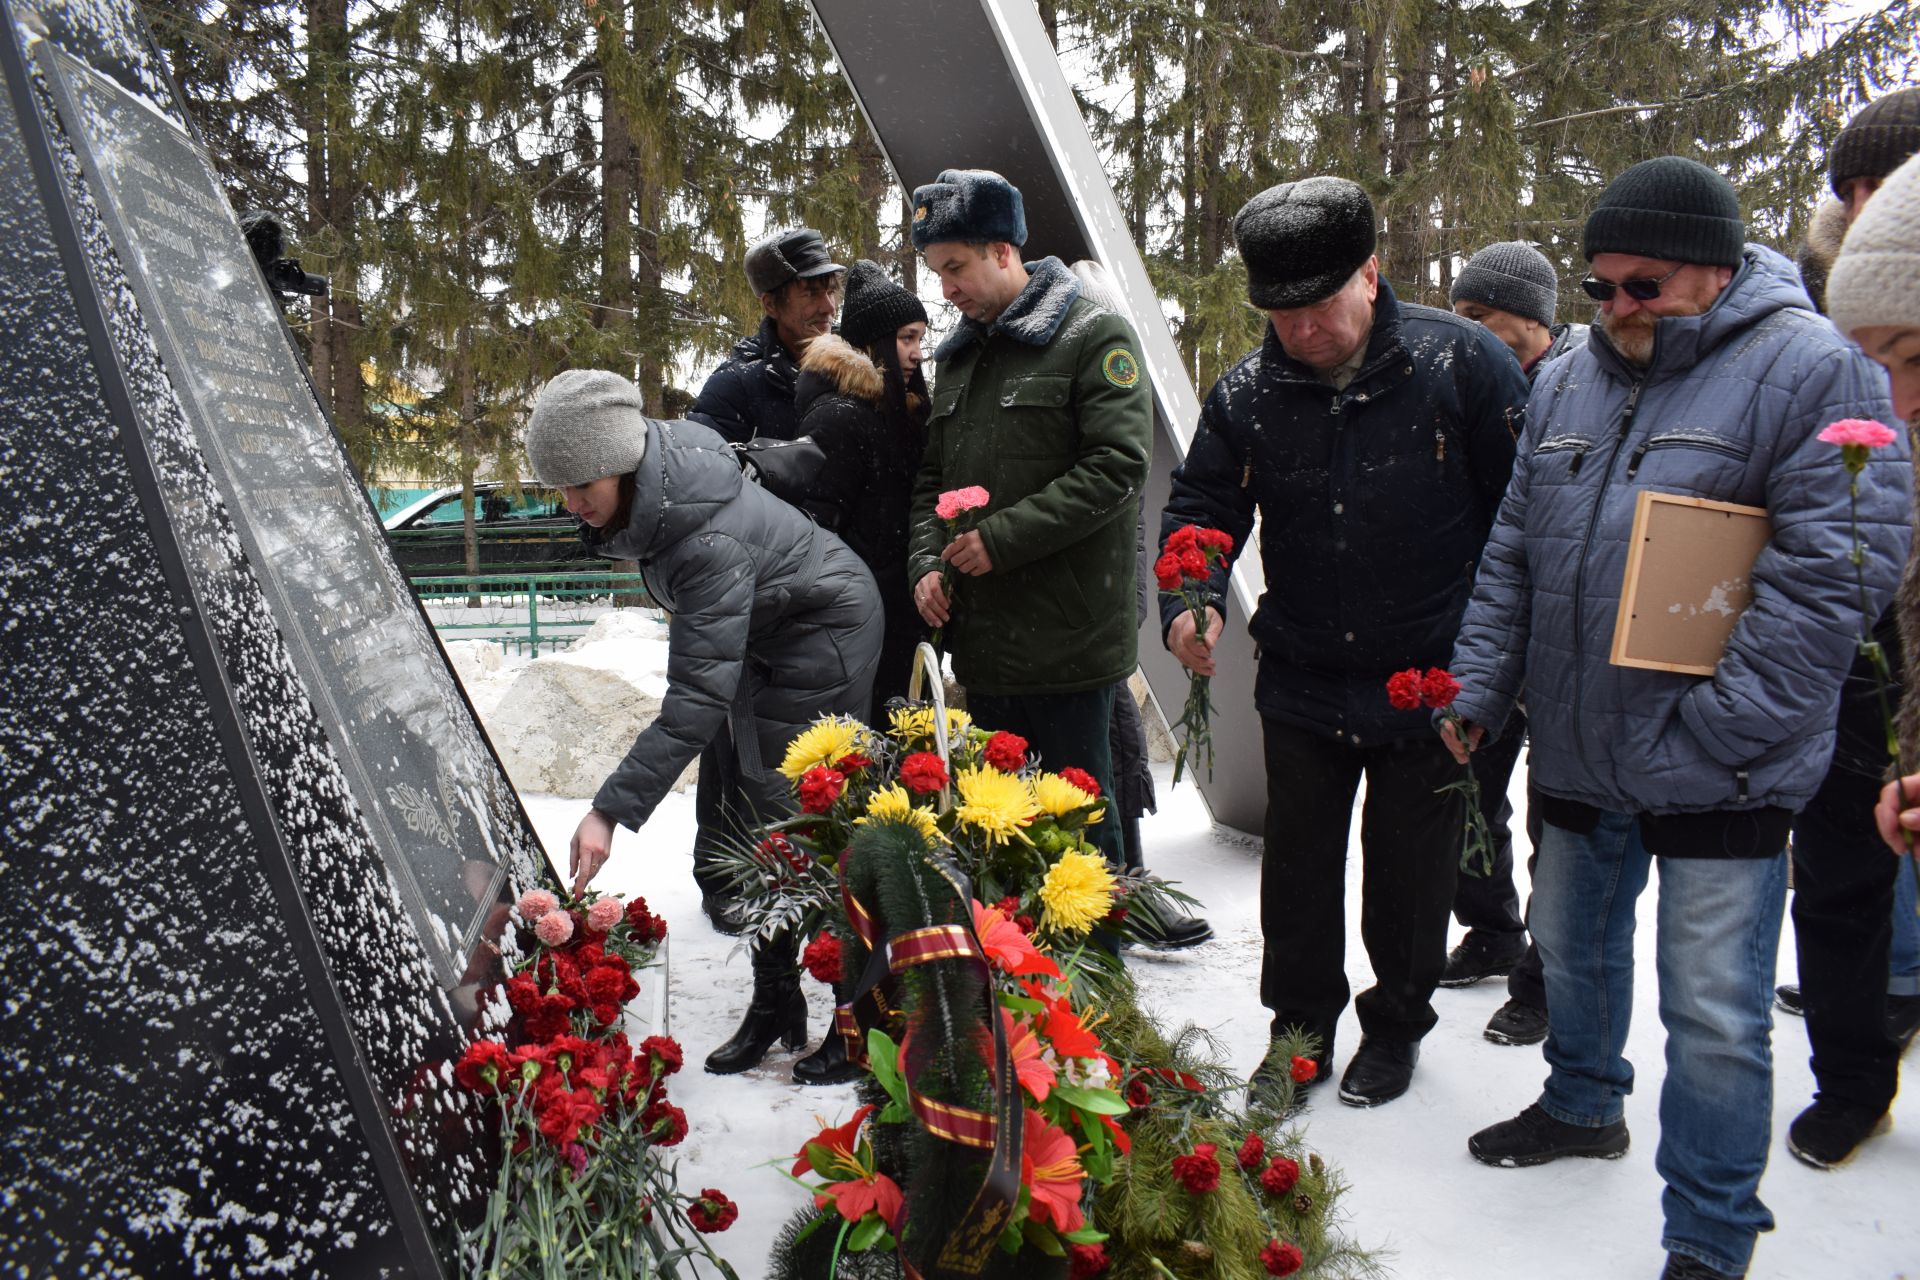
<point>956,501</point>
<point>536,903</point>
<point>605,914</point>
<point>1864,432</point>
<point>554,928</point>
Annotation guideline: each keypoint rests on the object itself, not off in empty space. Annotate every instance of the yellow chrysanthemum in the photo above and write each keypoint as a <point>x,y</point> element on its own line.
<point>1077,892</point>
<point>893,804</point>
<point>824,741</point>
<point>994,803</point>
<point>915,724</point>
<point>1059,797</point>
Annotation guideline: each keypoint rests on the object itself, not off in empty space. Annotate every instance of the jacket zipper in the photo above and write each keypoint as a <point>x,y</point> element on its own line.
<point>1580,575</point>
<point>1679,442</point>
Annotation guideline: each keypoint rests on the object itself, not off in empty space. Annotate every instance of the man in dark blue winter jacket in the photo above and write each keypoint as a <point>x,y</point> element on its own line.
<point>1707,375</point>
<point>1374,438</point>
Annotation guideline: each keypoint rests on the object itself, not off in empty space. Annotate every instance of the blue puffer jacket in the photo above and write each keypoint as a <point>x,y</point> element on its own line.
<point>1728,409</point>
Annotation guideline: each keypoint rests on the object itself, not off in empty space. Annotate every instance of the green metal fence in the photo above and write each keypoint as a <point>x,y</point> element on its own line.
<point>529,612</point>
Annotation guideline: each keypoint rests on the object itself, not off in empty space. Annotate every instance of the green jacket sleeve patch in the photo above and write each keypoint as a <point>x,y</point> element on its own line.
<point>1120,368</point>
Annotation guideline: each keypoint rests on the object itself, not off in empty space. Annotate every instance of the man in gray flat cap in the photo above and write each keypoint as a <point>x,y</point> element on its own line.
<point>1374,438</point>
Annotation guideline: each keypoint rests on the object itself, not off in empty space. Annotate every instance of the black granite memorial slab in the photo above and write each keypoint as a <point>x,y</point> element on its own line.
<point>255,853</point>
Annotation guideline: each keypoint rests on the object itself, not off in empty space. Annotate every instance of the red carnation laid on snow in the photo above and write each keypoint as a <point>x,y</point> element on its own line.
<point>483,1066</point>
<point>665,1123</point>
<point>822,958</point>
<point>712,1212</point>
<point>666,1051</point>
<point>1199,1172</point>
<point>1281,1257</point>
<point>1006,751</point>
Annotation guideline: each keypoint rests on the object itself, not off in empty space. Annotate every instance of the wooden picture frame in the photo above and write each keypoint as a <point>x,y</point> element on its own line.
<point>1688,580</point>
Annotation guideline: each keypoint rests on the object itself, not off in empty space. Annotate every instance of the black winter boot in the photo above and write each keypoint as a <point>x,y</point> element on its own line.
<point>828,1064</point>
<point>777,1011</point>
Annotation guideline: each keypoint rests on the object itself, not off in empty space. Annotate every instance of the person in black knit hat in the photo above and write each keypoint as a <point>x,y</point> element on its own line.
<point>1875,142</point>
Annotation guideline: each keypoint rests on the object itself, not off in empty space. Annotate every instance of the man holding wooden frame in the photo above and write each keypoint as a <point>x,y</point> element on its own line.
<point>1707,376</point>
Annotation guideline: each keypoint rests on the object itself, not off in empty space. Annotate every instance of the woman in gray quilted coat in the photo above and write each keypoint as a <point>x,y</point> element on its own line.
<point>774,622</point>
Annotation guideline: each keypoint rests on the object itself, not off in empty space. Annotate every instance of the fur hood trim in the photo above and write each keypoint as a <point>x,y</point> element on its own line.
<point>849,368</point>
<point>1033,317</point>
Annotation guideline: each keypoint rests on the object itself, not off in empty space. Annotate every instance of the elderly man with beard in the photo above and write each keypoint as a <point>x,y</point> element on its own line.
<point>1708,375</point>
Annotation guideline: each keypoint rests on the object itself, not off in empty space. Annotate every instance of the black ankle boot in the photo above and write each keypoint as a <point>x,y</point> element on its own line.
<point>828,1064</point>
<point>777,1012</point>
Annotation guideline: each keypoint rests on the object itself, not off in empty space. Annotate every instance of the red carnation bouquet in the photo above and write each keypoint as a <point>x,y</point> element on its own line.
<point>1410,690</point>
<point>1186,566</point>
<point>583,1113</point>
<point>959,510</point>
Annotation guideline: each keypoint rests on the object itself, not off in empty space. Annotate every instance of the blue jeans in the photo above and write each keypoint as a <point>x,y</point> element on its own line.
<point>1903,957</point>
<point>1719,935</point>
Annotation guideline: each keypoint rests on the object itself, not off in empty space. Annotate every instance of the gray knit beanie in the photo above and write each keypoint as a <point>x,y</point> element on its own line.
<point>1512,276</point>
<point>1876,278</point>
<point>586,424</point>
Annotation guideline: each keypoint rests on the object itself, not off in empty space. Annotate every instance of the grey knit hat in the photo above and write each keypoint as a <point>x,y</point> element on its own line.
<point>1876,278</point>
<point>586,424</point>
<point>1511,276</point>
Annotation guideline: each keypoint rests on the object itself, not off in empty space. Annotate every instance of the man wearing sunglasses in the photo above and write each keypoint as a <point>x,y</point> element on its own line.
<point>1707,375</point>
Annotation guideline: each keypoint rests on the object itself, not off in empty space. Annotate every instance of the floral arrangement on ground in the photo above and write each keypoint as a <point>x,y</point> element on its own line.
<point>585,1185</point>
<point>1021,1115</point>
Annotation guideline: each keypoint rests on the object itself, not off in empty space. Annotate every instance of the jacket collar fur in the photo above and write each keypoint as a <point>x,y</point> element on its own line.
<point>1033,317</point>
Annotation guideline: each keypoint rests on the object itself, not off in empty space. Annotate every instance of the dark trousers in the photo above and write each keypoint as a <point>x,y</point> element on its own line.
<point>1065,729</point>
<point>1527,983</point>
<point>1842,901</point>
<point>1410,845</point>
<point>721,813</point>
<point>1487,903</point>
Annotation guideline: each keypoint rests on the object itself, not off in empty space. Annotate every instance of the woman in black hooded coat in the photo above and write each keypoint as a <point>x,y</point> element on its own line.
<point>863,401</point>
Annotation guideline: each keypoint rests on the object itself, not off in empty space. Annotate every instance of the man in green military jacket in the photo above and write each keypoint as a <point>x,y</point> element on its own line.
<point>1040,400</point>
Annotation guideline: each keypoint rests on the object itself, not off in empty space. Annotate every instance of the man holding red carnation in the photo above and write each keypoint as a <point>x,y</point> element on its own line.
<point>1374,438</point>
<point>1707,375</point>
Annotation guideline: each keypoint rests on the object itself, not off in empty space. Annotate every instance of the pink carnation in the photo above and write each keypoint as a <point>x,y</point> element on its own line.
<point>956,501</point>
<point>536,903</point>
<point>1864,432</point>
<point>554,928</point>
<point>605,914</point>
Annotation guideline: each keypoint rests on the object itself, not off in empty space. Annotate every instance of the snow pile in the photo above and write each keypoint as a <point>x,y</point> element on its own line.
<point>568,718</point>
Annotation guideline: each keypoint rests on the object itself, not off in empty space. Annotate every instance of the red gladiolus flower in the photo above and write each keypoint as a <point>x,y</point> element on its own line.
<point>1030,1065</point>
<point>1279,1177</point>
<point>1119,1135</point>
<point>712,1212</point>
<point>1281,1257</point>
<point>822,958</point>
<point>1403,690</point>
<point>1076,776</point>
<point>483,1066</point>
<point>1166,572</point>
<point>1199,1172</point>
<point>1063,1028</point>
<point>1085,1260</point>
<point>1007,946</point>
<point>1438,688</point>
<point>855,1198</point>
<point>1303,1069</point>
<point>665,1123</point>
<point>664,1053</point>
<point>1006,751</point>
<point>923,773</point>
<point>820,787</point>
<point>1252,1152</point>
<point>838,1141</point>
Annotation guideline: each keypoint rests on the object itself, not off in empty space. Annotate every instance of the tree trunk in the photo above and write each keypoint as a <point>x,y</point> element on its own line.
<point>320,46</point>
<point>618,175</point>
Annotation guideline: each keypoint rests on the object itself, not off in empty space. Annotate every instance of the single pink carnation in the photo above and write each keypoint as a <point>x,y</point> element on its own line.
<point>535,903</point>
<point>1864,432</point>
<point>956,501</point>
<point>605,913</point>
<point>554,928</point>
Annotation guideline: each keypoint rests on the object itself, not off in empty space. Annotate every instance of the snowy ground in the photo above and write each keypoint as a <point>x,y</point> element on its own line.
<point>1417,1197</point>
